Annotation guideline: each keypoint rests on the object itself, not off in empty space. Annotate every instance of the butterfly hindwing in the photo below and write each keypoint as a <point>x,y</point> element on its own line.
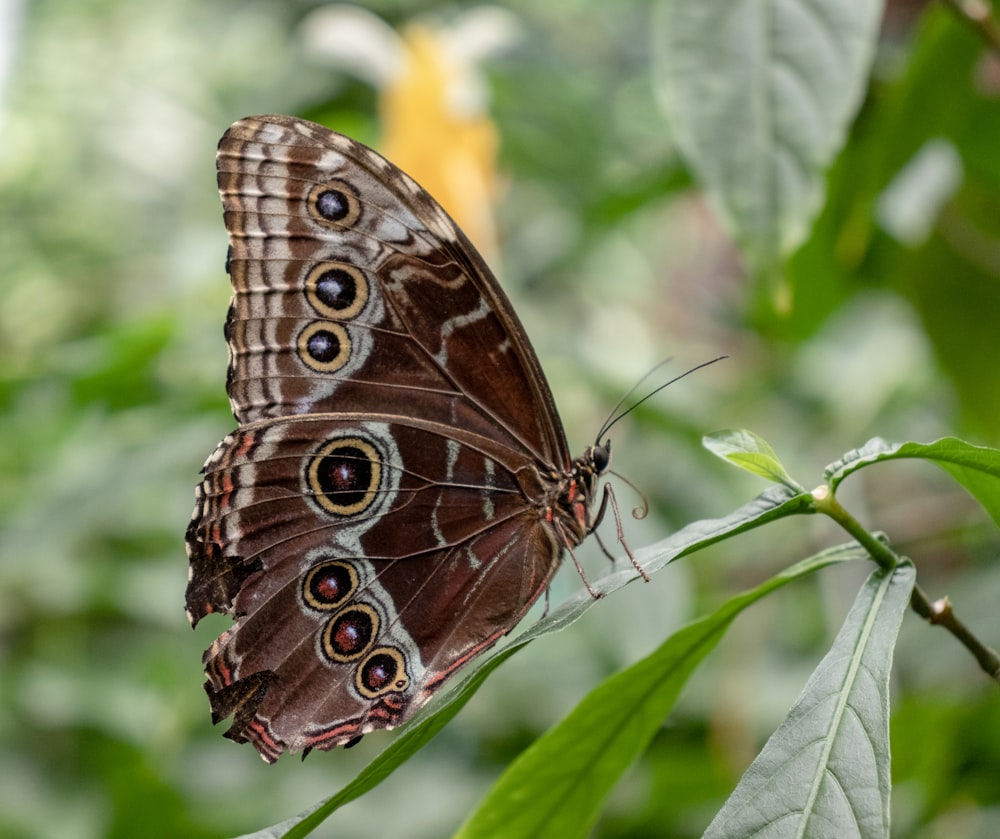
<point>325,505</point>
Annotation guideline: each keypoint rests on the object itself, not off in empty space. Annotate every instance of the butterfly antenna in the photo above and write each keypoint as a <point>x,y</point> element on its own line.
<point>613,417</point>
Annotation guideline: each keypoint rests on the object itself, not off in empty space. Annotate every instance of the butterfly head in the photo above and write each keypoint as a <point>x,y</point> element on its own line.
<point>589,466</point>
<point>586,471</point>
<point>598,457</point>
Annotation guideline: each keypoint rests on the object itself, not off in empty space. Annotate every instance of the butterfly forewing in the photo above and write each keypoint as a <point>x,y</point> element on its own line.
<point>354,288</point>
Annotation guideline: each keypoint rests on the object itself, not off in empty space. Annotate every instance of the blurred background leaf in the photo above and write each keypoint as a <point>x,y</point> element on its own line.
<point>112,367</point>
<point>759,96</point>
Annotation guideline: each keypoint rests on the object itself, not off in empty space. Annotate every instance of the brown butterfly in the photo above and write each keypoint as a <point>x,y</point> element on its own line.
<point>399,490</point>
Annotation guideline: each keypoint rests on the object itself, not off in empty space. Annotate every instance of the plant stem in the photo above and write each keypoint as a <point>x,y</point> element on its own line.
<point>939,613</point>
<point>826,502</point>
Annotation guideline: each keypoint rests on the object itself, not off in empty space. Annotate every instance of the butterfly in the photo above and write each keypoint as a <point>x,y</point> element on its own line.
<point>399,491</point>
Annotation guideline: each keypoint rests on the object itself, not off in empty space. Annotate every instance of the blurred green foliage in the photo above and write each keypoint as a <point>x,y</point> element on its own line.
<point>112,368</point>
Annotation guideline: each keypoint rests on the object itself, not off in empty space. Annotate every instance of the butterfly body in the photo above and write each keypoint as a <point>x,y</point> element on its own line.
<point>399,490</point>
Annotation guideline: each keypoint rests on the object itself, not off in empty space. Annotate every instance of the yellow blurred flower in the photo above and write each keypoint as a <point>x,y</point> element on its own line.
<point>432,102</point>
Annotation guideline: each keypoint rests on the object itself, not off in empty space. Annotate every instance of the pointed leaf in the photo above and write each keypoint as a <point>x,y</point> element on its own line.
<point>759,94</point>
<point>976,468</point>
<point>825,771</point>
<point>556,787</point>
<point>751,452</point>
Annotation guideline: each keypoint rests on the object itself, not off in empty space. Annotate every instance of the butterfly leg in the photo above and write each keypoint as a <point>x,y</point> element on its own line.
<point>609,500</point>
<point>545,611</point>
<point>597,595</point>
<point>604,548</point>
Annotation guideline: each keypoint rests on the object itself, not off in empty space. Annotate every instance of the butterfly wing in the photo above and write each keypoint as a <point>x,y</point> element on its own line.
<point>353,287</point>
<point>362,575</point>
<point>381,515</point>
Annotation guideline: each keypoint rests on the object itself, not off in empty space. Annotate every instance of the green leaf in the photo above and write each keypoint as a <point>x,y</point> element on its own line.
<point>751,452</point>
<point>775,503</point>
<point>977,468</point>
<point>825,771</point>
<point>759,94</point>
<point>556,787</point>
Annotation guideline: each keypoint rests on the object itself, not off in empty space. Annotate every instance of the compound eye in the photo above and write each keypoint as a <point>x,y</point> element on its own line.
<point>600,456</point>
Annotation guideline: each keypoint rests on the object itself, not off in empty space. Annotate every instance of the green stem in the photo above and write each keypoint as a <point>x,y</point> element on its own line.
<point>826,502</point>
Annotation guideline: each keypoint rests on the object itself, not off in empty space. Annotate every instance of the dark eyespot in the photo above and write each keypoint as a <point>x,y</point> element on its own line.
<point>337,289</point>
<point>324,346</point>
<point>350,633</point>
<point>384,671</point>
<point>333,205</point>
<point>345,475</point>
<point>329,584</point>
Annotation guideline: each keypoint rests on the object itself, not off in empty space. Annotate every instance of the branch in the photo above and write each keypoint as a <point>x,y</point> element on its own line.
<point>941,613</point>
